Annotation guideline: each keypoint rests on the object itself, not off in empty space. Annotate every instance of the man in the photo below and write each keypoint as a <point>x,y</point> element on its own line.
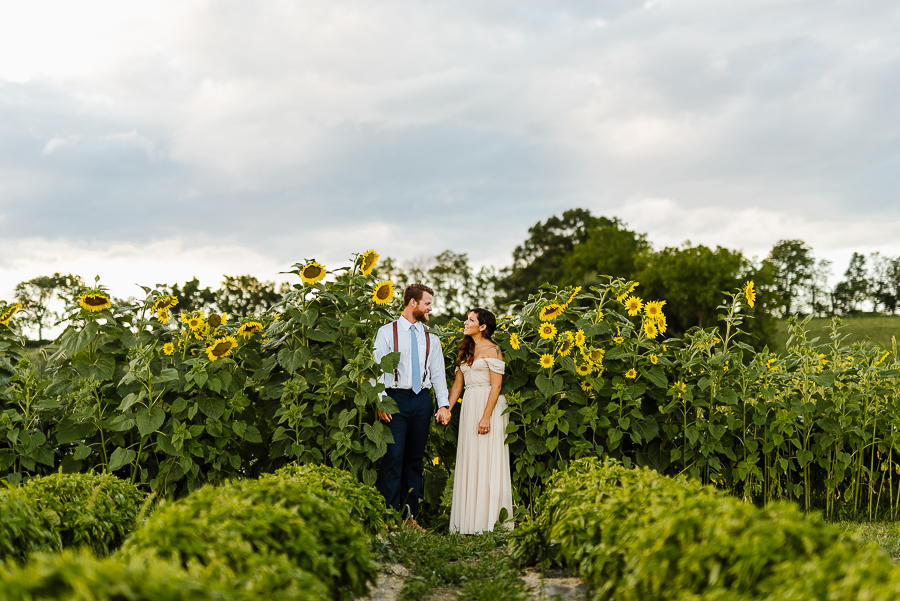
<point>421,367</point>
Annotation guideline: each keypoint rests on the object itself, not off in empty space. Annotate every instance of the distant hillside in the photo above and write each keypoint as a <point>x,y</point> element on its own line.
<point>864,327</point>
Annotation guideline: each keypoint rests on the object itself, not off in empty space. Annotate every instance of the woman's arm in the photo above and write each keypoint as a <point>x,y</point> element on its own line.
<point>456,390</point>
<point>484,426</point>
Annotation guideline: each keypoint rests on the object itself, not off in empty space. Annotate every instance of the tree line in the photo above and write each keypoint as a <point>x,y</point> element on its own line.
<point>575,248</point>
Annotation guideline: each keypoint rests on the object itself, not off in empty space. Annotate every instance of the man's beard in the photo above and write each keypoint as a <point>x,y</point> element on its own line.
<point>420,315</point>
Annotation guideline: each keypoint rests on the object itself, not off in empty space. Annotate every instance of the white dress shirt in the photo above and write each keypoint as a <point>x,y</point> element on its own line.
<point>436,377</point>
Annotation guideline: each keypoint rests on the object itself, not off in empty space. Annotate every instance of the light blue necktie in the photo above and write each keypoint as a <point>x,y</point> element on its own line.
<point>416,379</point>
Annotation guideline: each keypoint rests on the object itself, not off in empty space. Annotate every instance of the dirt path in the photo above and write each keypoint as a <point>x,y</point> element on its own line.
<point>556,584</point>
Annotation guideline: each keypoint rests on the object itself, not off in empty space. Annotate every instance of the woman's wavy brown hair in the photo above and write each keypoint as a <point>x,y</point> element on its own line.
<point>466,353</point>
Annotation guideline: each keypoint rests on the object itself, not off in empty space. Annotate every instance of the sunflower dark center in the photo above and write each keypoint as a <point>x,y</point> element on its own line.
<point>95,301</point>
<point>221,348</point>
<point>382,292</point>
<point>312,271</point>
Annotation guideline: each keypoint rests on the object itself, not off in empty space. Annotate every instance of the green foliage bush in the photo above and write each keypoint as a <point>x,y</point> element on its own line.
<point>248,524</point>
<point>635,534</point>
<point>79,576</point>
<point>63,510</point>
<point>96,510</point>
<point>364,504</point>
<point>23,528</point>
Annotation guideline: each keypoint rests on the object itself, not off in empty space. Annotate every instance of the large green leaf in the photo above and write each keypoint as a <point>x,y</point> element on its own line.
<point>290,360</point>
<point>70,430</point>
<point>547,386</point>
<point>120,458</point>
<point>212,407</point>
<point>149,420</point>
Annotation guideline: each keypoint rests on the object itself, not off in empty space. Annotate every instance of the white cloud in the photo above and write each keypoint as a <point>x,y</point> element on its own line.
<point>57,142</point>
<point>122,267</point>
<point>315,128</point>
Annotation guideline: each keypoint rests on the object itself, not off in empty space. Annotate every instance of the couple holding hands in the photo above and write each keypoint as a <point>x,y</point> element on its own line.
<point>481,484</point>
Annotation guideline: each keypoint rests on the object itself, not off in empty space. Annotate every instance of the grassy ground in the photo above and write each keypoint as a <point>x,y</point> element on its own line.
<point>867,328</point>
<point>472,567</point>
<point>884,534</point>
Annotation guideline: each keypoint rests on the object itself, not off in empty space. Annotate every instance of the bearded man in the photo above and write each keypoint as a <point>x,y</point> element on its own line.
<point>421,368</point>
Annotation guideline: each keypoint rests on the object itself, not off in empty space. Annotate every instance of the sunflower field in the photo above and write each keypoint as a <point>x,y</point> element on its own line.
<point>172,403</point>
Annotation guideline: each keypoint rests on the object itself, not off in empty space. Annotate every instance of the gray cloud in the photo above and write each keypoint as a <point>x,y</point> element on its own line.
<point>272,125</point>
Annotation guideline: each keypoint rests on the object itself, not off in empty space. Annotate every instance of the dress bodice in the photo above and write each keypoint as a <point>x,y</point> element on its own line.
<point>479,373</point>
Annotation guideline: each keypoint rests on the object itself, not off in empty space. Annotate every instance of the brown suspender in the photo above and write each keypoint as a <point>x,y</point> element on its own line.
<point>427,351</point>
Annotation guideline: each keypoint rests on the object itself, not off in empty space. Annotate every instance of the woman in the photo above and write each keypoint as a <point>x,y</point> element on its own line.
<point>481,485</point>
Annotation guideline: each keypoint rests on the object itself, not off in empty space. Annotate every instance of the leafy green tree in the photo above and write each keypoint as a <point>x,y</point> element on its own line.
<point>885,281</point>
<point>691,279</point>
<point>457,287</point>
<point>246,295</point>
<point>572,249</point>
<point>794,272</point>
<point>191,297</point>
<point>818,288</point>
<point>37,296</point>
<point>855,288</point>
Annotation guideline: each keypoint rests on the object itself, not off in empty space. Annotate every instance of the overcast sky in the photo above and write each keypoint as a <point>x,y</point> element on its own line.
<point>153,141</point>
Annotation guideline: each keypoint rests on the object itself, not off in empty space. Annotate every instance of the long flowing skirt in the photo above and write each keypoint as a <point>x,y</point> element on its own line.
<point>482,485</point>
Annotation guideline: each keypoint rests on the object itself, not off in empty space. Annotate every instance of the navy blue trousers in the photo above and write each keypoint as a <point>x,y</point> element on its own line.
<point>400,474</point>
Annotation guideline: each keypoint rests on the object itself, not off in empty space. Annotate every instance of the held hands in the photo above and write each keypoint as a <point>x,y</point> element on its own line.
<point>442,416</point>
<point>384,416</point>
<point>484,426</point>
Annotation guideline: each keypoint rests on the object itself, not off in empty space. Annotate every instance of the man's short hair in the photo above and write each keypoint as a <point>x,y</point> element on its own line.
<point>414,292</point>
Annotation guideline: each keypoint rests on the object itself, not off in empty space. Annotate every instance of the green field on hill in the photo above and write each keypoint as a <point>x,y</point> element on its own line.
<point>867,328</point>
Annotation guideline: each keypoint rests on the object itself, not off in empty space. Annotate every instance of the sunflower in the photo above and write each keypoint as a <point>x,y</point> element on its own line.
<point>580,339</point>
<point>650,329</point>
<point>249,328</point>
<point>625,294</point>
<point>551,312</point>
<point>214,320</point>
<point>312,272</point>
<point>196,323</point>
<point>547,331</point>
<point>750,293</point>
<point>595,355</point>
<point>163,304</point>
<point>368,262</point>
<point>221,347</point>
<point>547,361</point>
<point>654,359</point>
<point>653,309</point>
<point>436,460</point>
<point>631,373</point>
<point>514,341</point>
<point>661,324</point>
<point>583,369</point>
<point>95,301</point>
<point>163,317</point>
<point>618,340</point>
<point>571,298</point>
<point>168,348</point>
<point>633,304</point>
<point>566,344</point>
<point>586,387</point>
<point>679,387</point>
<point>8,313</point>
<point>383,293</point>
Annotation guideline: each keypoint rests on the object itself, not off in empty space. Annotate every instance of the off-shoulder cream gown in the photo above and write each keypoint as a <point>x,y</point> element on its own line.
<point>482,484</point>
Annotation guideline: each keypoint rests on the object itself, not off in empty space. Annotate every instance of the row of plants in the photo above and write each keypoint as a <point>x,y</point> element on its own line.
<point>633,533</point>
<point>94,511</point>
<point>591,373</point>
<point>302,533</point>
<point>174,403</point>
